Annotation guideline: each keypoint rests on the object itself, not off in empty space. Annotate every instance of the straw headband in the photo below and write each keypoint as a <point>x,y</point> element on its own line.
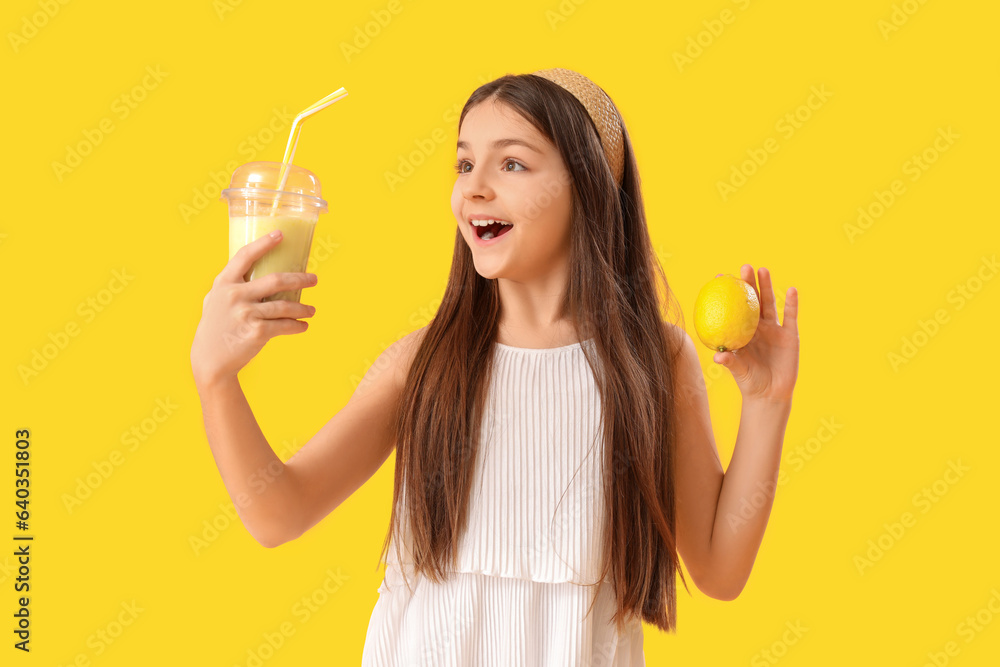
<point>601,109</point>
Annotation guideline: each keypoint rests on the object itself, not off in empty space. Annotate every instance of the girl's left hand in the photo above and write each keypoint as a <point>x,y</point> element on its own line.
<point>766,367</point>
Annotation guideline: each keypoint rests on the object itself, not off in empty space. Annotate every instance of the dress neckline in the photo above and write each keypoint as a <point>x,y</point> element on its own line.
<point>571,346</point>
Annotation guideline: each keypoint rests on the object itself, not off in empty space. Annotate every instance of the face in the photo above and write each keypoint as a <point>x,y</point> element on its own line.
<point>526,184</point>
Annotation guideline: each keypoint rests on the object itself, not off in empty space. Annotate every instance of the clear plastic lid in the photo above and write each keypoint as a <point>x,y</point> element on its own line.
<point>259,181</point>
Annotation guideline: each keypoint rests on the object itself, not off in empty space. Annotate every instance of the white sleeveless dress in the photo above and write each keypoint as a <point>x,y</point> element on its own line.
<point>535,524</point>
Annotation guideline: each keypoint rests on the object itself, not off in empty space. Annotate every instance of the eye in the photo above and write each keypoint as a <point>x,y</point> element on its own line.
<point>461,164</point>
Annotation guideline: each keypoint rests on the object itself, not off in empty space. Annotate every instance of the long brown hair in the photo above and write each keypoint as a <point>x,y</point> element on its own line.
<point>615,290</point>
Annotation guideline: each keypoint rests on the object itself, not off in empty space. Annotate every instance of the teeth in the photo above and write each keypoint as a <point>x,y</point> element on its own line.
<point>487,223</point>
<point>487,236</point>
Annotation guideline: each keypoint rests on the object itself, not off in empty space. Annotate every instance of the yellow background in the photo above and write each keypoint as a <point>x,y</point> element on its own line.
<point>223,73</point>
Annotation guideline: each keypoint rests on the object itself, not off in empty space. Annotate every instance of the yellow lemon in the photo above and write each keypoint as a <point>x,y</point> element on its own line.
<point>726,313</point>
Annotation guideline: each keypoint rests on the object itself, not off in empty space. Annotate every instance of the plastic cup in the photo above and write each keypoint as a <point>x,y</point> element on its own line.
<point>257,207</point>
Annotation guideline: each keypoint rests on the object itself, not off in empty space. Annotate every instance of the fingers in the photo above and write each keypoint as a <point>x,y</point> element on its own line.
<point>766,293</point>
<point>282,309</point>
<point>284,327</point>
<point>259,331</point>
<point>791,316</point>
<point>727,359</point>
<point>280,318</point>
<point>746,273</point>
<point>272,283</point>
<point>244,258</point>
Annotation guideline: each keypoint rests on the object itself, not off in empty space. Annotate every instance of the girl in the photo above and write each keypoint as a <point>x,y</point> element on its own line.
<point>554,451</point>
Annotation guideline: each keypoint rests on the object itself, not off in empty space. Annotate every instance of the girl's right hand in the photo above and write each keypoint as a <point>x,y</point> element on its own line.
<point>235,324</point>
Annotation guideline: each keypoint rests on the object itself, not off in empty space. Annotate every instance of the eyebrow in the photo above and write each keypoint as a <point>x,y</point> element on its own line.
<point>503,143</point>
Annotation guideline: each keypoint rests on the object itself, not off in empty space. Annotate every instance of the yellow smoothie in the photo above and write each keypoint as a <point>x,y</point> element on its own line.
<point>290,255</point>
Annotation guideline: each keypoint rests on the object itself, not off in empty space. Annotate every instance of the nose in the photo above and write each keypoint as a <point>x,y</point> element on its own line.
<point>476,185</point>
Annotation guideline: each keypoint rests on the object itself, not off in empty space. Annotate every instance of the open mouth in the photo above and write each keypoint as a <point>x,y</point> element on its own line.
<point>492,230</point>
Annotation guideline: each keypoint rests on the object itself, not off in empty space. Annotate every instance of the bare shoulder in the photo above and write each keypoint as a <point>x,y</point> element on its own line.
<point>387,375</point>
<point>688,373</point>
<point>399,356</point>
<point>674,332</point>
<point>679,339</point>
<point>355,442</point>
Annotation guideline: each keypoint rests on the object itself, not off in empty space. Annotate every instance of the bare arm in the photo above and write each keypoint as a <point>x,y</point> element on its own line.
<point>354,444</point>
<point>698,471</point>
<point>721,516</point>
<point>765,370</point>
<point>748,493</point>
<point>278,501</point>
<point>281,501</point>
<point>251,471</point>
<point>235,324</point>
